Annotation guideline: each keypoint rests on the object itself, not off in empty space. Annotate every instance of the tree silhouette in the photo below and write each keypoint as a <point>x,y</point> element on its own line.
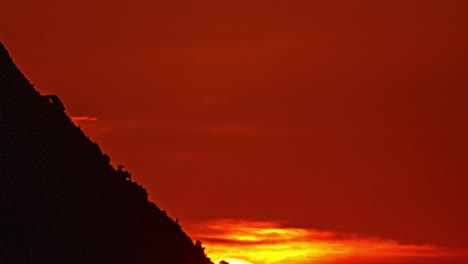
<point>123,173</point>
<point>54,99</point>
<point>199,246</point>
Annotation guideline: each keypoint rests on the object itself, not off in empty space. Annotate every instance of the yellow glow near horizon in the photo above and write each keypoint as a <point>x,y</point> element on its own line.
<point>271,243</point>
<point>234,261</point>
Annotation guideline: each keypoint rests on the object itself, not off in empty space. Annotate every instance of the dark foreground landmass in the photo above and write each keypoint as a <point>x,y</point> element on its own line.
<point>60,199</point>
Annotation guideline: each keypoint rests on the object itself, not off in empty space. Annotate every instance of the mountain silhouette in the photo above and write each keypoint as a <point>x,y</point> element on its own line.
<point>60,199</point>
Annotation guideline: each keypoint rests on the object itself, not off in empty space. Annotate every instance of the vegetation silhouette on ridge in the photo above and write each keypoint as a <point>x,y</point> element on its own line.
<point>62,202</point>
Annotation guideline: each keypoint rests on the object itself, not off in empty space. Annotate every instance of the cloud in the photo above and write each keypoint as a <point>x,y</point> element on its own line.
<point>90,126</point>
<point>83,118</point>
<point>270,242</point>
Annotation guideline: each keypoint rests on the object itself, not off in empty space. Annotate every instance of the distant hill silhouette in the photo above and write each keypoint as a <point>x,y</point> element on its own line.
<point>60,199</point>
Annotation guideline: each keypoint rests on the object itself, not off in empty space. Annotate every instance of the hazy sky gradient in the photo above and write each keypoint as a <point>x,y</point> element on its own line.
<point>335,115</point>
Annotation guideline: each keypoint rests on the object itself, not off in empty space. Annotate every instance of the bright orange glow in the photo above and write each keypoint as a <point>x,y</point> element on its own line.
<point>269,242</point>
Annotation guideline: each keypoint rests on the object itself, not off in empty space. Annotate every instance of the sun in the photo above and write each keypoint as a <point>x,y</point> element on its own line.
<point>234,261</point>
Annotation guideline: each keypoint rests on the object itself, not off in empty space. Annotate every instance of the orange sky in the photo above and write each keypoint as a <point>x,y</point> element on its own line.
<point>335,115</point>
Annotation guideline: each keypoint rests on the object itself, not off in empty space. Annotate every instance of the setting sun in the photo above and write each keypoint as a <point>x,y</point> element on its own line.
<point>234,261</point>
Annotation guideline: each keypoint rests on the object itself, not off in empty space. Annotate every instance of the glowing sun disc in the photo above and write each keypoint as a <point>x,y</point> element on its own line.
<point>234,261</point>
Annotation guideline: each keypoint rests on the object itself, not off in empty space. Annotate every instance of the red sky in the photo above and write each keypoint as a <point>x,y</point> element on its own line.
<point>338,115</point>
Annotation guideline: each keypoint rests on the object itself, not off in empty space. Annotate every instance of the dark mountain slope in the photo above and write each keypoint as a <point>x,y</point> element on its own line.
<point>60,199</point>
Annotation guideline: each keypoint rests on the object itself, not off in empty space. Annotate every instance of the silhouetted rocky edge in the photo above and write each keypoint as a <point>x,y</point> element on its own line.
<point>60,199</point>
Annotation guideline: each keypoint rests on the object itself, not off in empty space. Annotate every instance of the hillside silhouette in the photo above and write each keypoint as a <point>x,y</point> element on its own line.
<point>60,199</point>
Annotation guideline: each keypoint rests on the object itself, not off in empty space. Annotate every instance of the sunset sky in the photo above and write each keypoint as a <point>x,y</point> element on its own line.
<point>341,116</point>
